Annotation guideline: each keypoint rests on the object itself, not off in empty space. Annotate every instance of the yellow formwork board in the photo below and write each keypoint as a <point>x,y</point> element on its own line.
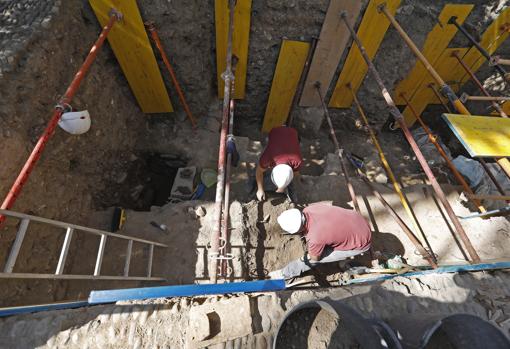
<point>291,62</point>
<point>371,32</point>
<point>446,67</point>
<point>130,43</point>
<point>492,38</point>
<point>435,43</point>
<point>482,136</point>
<point>240,38</point>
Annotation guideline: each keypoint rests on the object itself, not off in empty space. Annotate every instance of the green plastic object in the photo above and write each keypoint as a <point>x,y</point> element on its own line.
<point>208,177</point>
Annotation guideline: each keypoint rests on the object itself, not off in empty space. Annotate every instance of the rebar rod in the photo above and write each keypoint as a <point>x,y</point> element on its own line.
<point>29,165</point>
<point>439,98</point>
<point>220,183</point>
<point>478,83</point>
<point>396,185</point>
<point>499,69</point>
<point>399,118</point>
<point>302,80</point>
<point>429,257</point>
<point>433,140</point>
<point>339,150</point>
<point>446,90</point>
<point>155,37</point>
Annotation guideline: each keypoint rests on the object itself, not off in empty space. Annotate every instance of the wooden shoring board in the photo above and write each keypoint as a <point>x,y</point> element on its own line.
<point>371,32</point>
<point>435,43</point>
<point>482,136</point>
<point>289,67</point>
<point>448,68</point>
<point>130,44</point>
<point>492,38</point>
<point>240,39</point>
<point>330,48</point>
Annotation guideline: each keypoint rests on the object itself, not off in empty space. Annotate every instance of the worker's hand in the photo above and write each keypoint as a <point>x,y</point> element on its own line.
<point>261,195</point>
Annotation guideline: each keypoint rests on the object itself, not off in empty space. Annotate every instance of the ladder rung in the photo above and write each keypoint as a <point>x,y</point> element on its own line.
<point>16,246</point>
<point>100,253</point>
<point>149,266</point>
<point>128,257</point>
<point>65,250</point>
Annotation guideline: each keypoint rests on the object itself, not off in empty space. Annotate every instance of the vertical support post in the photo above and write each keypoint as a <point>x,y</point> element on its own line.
<point>16,246</point>
<point>339,151</point>
<point>128,258</point>
<point>64,251</point>
<point>399,118</point>
<point>220,183</point>
<point>57,114</point>
<point>100,253</point>
<point>149,264</point>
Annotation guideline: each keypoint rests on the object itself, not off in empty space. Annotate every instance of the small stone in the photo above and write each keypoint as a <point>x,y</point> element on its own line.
<point>200,211</point>
<point>121,177</point>
<point>46,23</point>
<point>381,178</point>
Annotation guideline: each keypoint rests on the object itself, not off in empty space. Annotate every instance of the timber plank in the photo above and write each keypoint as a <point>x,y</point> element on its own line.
<point>130,43</point>
<point>330,48</point>
<point>435,43</point>
<point>289,67</point>
<point>240,40</point>
<point>371,32</point>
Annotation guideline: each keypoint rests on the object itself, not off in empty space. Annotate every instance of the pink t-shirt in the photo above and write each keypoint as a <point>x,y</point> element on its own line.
<point>282,148</point>
<point>342,229</point>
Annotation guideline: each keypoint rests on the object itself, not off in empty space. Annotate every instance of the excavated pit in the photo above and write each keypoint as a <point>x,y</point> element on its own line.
<point>119,161</point>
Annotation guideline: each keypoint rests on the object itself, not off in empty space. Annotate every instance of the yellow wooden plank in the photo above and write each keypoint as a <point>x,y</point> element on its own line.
<point>482,136</point>
<point>447,67</point>
<point>492,38</point>
<point>330,48</point>
<point>371,32</point>
<point>435,43</point>
<point>130,43</point>
<point>242,15</point>
<point>291,62</point>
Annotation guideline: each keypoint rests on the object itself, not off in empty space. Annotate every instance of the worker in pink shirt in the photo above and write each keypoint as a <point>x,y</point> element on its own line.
<point>332,234</point>
<point>283,157</point>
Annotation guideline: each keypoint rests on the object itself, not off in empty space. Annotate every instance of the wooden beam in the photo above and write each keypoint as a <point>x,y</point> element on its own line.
<point>130,44</point>
<point>371,32</point>
<point>240,40</point>
<point>289,67</point>
<point>330,48</point>
<point>435,44</point>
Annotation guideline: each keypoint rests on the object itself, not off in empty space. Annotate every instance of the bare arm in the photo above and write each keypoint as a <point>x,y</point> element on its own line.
<point>259,176</point>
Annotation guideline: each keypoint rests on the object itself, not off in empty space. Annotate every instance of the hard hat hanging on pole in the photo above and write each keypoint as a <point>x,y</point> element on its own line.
<point>75,123</point>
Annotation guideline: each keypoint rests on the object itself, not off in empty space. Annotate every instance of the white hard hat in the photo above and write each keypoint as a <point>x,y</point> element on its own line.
<point>291,220</point>
<point>282,175</point>
<point>76,123</point>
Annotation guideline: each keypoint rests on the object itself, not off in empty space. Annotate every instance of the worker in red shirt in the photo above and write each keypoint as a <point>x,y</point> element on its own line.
<point>332,234</point>
<point>283,156</point>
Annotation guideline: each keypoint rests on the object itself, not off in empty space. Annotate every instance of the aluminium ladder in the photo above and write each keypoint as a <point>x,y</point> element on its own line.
<point>70,229</point>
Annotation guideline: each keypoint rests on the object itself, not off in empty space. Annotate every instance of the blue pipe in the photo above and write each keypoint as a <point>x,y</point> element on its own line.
<point>110,296</point>
<point>42,307</point>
